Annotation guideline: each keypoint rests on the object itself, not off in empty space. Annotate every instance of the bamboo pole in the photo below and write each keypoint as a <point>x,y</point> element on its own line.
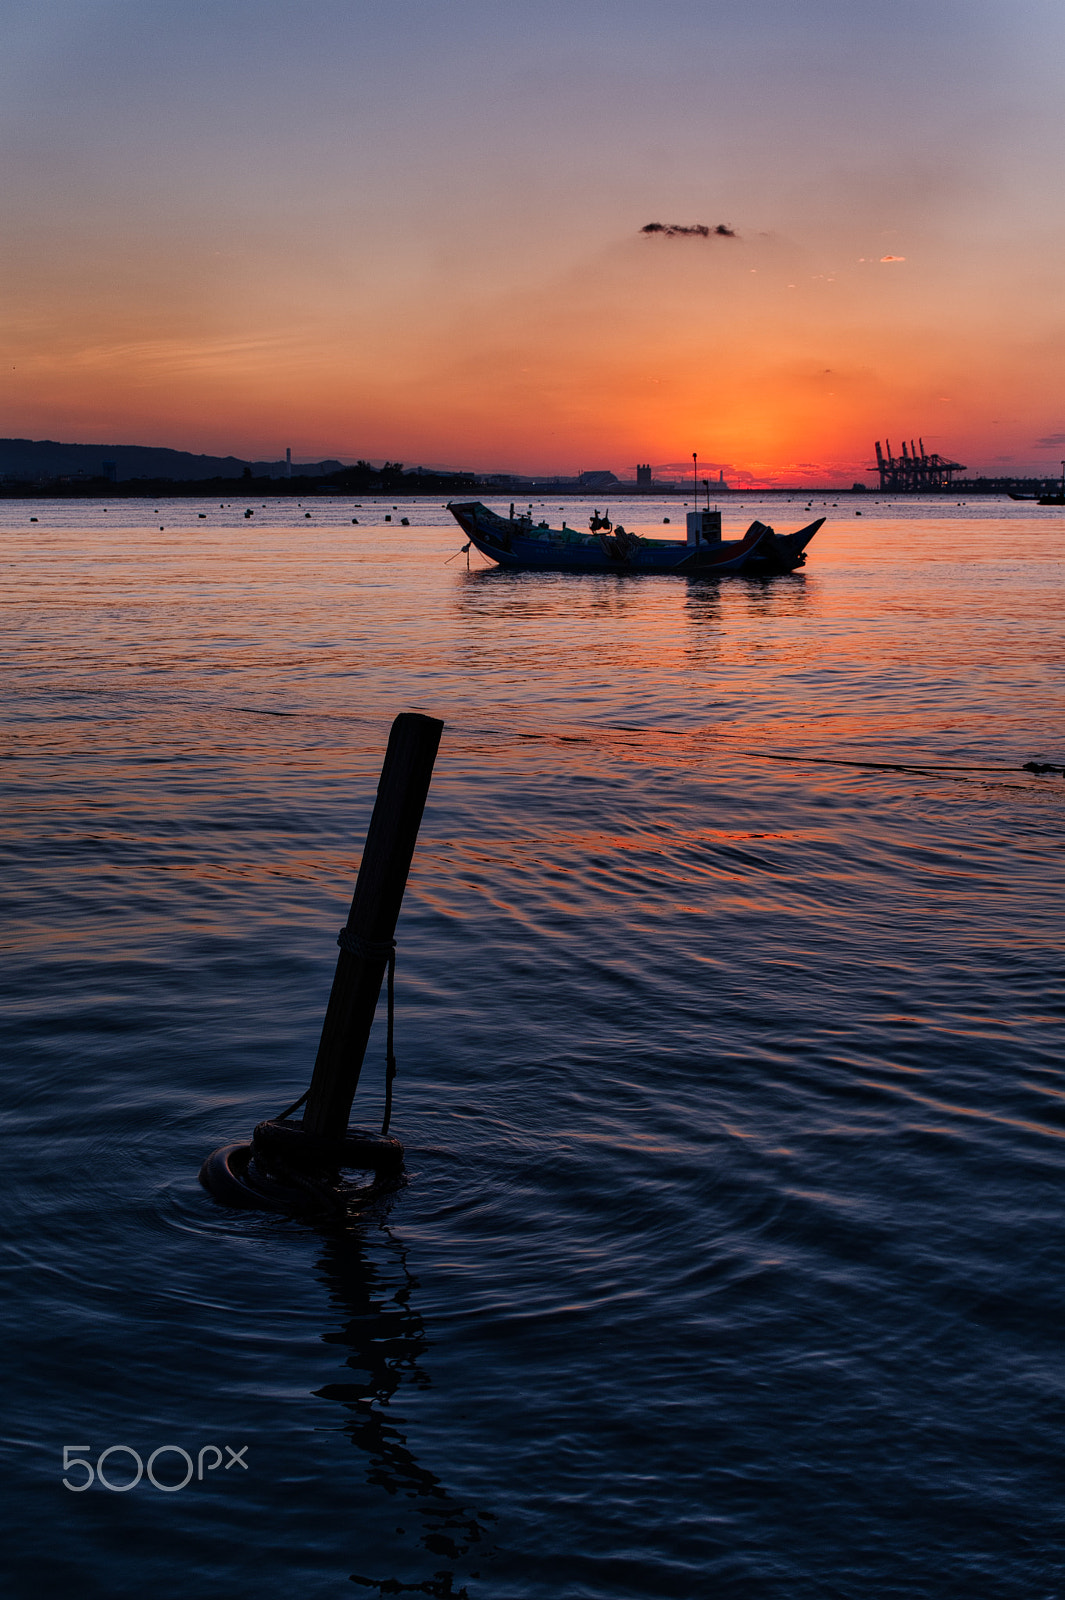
<point>366,940</point>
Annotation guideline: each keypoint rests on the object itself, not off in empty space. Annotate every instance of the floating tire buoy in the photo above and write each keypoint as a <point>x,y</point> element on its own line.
<point>287,1170</point>
<point>223,1175</point>
<point>236,1178</point>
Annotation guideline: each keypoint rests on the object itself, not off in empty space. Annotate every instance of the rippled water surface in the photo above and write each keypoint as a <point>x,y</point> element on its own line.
<point>730,1260</point>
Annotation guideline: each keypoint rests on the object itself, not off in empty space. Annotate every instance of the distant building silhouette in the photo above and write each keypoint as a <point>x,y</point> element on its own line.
<point>643,476</point>
<point>597,480</point>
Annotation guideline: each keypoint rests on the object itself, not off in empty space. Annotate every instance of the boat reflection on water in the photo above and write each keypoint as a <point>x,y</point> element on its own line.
<point>386,1339</point>
<point>777,595</point>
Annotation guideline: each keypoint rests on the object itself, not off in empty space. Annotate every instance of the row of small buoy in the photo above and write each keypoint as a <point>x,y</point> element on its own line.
<point>249,512</point>
<point>202,515</point>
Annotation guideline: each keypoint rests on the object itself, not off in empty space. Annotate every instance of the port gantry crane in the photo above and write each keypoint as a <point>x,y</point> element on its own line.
<point>913,472</point>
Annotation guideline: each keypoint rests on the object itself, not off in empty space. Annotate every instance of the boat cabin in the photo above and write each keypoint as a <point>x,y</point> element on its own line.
<point>704,527</point>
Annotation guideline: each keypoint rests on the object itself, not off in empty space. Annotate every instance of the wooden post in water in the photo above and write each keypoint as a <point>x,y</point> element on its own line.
<point>366,941</point>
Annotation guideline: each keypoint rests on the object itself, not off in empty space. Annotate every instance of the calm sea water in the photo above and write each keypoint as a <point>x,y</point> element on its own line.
<point>731,1258</point>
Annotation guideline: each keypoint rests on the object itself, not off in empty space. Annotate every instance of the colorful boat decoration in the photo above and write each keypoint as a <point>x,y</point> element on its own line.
<point>518,541</point>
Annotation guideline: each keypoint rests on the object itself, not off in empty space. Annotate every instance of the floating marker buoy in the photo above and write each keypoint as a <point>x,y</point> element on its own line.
<point>354,522</point>
<point>404,522</point>
<point>306,513</point>
<point>388,519</point>
<point>202,516</point>
<point>33,519</point>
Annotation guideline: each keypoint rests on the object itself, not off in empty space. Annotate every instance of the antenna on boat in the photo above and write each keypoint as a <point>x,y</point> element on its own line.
<point>695,477</point>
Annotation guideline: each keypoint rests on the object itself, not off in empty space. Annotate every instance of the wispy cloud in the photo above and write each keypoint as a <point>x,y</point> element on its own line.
<point>698,230</point>
<point>1053,441</point>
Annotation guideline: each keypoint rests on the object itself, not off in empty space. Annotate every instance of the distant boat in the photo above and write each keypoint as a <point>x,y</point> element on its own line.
<point>1053,497</point>
<point>516,541</point>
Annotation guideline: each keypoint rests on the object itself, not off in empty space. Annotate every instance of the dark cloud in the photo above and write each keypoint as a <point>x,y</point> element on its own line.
<point>675,230</point>
<point>1053,441</point>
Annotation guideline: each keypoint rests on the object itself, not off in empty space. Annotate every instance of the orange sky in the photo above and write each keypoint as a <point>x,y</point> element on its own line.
<point>370,232</point>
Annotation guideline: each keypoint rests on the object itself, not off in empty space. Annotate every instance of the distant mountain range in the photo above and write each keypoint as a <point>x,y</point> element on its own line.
<point>34,460</point>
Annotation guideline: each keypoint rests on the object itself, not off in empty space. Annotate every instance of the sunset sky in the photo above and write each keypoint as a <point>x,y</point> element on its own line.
<point>413,230</point>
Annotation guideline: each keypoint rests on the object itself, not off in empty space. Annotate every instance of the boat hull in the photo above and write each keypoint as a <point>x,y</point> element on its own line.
<point>516,543</point>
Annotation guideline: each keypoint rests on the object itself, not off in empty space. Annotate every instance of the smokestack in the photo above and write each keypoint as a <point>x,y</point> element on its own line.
<point>288,462</point>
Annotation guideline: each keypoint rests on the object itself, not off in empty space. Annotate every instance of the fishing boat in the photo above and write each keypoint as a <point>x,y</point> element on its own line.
<point>518,541</point>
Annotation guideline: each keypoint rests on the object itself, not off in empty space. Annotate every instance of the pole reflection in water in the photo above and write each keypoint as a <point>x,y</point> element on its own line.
<point>386,1338</point>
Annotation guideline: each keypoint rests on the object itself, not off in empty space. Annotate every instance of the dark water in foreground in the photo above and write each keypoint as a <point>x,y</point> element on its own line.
<point>731,1260</point>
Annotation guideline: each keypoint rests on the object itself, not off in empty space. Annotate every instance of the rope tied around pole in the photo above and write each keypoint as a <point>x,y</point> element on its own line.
<point>369,950</point>
<point>378,950</point>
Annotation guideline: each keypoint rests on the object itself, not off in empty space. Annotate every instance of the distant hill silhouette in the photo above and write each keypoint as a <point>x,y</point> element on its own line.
<point>38,459</point>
